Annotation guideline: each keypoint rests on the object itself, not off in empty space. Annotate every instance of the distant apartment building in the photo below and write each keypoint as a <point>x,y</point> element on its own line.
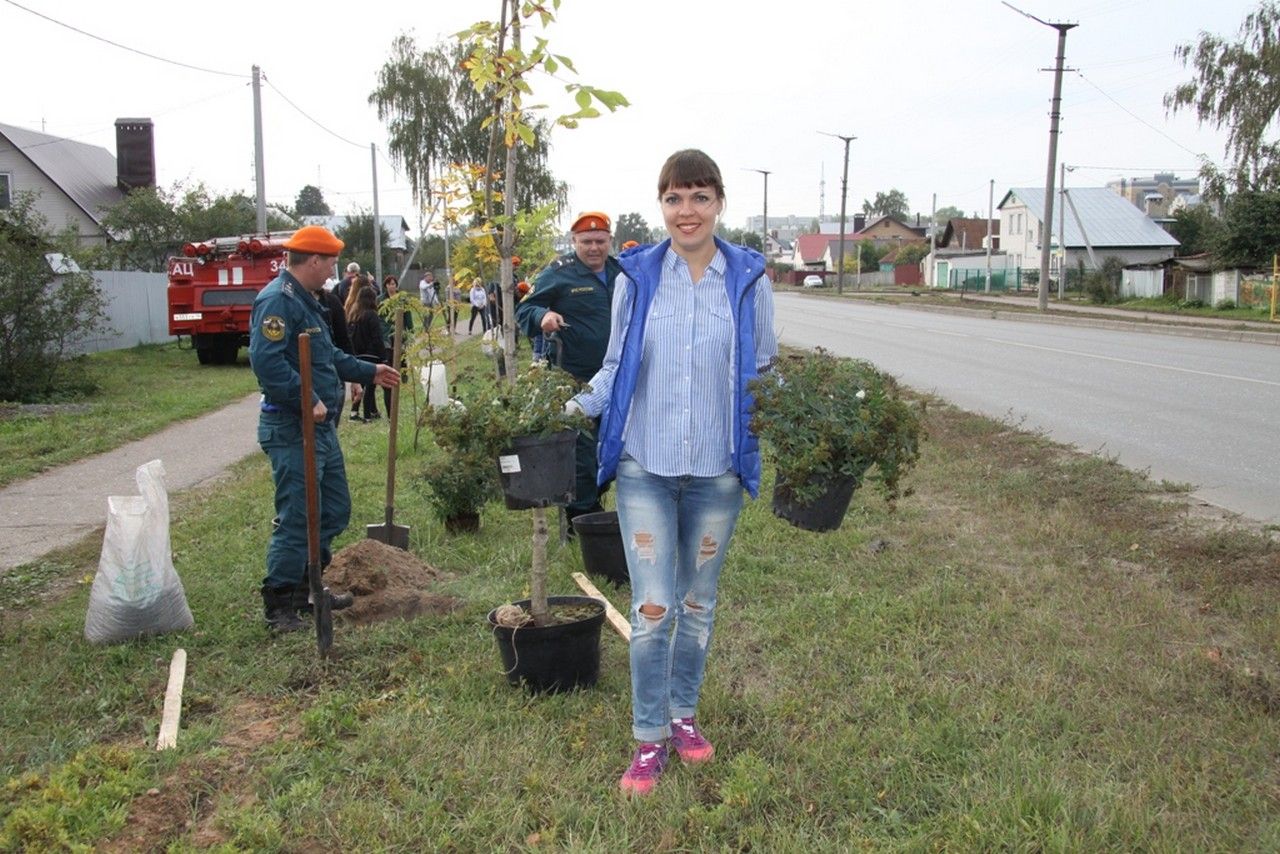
<point>1153,196</point>
<point>787,228</point>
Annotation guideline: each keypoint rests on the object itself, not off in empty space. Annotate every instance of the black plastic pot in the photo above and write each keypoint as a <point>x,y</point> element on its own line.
<point>825,513</point>
<point>538,471</point>
<point>600,539</point>
<point>552,659</point>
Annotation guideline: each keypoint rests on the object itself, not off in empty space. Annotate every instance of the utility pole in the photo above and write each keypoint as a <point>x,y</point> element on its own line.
<point>933,226</point>
<point>844,194</point>
<point>1062,231</point>
<point>377,222</point>
<point>991,198</point>
<point>1055,113</point>
<point>764,243</point>
<point>259,169</point>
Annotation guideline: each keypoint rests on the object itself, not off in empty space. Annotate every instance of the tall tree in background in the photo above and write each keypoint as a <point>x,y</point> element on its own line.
<point>435,116</point>
<point>311,202</point>
<point>1196,229</point>
<point>357,234</point>
<point>893,203</point>
<point>1237,86</point>
<point>948,213</point>
<point>631,226</point>
<point>152,223</point>
<point>1251,230</point>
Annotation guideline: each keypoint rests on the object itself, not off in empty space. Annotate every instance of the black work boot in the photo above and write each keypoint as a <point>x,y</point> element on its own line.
<point>277,604</point>
<point>337,601</point>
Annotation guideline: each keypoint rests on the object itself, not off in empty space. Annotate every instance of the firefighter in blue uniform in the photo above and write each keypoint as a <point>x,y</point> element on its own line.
<point>283,309</point>
<point>572,297</point>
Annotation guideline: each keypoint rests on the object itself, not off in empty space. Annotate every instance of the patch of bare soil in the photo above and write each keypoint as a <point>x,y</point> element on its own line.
<point>186,801</point>
<point>387,583</point>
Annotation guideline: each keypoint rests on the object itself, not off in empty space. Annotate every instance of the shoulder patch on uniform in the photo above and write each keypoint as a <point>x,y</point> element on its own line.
<point>273,327</point>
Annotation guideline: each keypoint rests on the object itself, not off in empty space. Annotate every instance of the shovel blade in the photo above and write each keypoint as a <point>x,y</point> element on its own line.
<point>324,623</point>
<point>396,536</point>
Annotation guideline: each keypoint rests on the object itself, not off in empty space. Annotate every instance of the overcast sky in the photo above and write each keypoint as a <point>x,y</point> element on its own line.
<point>943,96</point>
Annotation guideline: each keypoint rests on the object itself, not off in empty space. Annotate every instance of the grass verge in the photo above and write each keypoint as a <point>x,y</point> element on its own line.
<point>140,390</point>
<point>1037,651</point>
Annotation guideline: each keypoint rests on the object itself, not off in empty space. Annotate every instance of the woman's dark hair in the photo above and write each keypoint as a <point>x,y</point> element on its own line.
<point>690,168</point>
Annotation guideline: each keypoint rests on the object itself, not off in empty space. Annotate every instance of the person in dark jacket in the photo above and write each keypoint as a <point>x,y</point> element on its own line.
<point>338,331</point>
<point>367,342</point>
<point>281,311</point>
<point>571,298</point>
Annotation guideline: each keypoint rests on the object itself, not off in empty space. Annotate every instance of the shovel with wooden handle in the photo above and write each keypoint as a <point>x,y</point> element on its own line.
<point>388,532</point>
<point>320,603</point>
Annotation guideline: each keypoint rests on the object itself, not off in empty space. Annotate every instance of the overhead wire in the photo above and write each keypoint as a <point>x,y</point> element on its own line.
<point>126,47</point>
<point>1140,118</point>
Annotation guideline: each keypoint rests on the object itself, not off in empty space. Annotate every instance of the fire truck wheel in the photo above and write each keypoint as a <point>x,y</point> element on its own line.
<point>205,355</point>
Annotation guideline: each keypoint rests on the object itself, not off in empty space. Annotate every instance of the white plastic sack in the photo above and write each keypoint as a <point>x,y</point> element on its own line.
<point>137,591</point>
<point>491,341</point>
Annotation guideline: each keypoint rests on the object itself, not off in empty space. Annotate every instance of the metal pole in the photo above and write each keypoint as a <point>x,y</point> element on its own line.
<point>377,223</point>
<point>991,199</point>
<point>844,194</point>
<point>259,169</point>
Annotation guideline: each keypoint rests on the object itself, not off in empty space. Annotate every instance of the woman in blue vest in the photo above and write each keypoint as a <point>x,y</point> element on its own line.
<point>692,325</point>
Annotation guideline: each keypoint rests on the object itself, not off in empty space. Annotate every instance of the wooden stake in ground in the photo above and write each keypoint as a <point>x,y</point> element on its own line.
<point>173,701</point>
<point>619,623</point>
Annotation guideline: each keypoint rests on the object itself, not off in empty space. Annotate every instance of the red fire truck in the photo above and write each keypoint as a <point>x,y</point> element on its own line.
<point>212,285</point>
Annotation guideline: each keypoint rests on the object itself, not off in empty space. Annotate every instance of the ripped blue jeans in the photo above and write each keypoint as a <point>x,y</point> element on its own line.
<point>676,531</point>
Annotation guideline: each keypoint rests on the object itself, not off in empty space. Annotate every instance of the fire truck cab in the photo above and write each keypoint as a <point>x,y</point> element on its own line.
<point>212,285</point>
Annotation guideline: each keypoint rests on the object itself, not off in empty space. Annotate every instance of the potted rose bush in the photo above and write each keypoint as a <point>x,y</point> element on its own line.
<point>832,424</point>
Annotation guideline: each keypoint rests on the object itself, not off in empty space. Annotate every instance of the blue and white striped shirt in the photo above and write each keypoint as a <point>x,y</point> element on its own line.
<point>681,417</point>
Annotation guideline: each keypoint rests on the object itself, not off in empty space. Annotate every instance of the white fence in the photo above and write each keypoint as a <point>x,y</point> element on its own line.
<point>1142,283</point>
<point>137,310</point>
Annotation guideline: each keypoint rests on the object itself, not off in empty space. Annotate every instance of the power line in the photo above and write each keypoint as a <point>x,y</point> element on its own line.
<point>124,46</point>
<point>304,113</point>
<point>1141,119</point>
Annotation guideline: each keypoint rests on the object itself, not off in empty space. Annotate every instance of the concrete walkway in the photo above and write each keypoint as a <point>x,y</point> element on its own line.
<point>59,507</point>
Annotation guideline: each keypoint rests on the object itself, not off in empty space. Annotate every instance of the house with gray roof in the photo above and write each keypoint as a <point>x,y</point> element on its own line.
<point>75,183</point>
<point>1094,217</point>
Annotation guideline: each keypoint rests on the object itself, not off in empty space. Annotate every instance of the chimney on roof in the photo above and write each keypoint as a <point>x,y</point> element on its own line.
<point>859,223</point>
<point>135,154</point>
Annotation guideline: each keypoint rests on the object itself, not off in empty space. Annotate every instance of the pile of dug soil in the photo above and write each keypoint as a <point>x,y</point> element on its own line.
<point>387,582</point>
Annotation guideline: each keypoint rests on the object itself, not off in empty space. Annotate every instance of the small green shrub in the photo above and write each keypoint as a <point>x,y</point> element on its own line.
<point>1226,304</point>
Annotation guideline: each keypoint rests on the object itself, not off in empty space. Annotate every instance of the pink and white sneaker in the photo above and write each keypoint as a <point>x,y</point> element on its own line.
<point>689,743</point>
<point>646,767</point>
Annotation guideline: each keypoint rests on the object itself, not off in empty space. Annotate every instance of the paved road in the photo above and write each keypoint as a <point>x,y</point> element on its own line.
<point>1189,410</point>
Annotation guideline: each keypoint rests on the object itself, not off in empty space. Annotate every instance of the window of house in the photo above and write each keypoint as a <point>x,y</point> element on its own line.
<point>5,192</point>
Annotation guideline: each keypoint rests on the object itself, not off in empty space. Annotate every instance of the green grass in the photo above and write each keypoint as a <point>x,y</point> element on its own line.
<point>140,391</point>
<point>1047,657</point>
<point>1164,306</point>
